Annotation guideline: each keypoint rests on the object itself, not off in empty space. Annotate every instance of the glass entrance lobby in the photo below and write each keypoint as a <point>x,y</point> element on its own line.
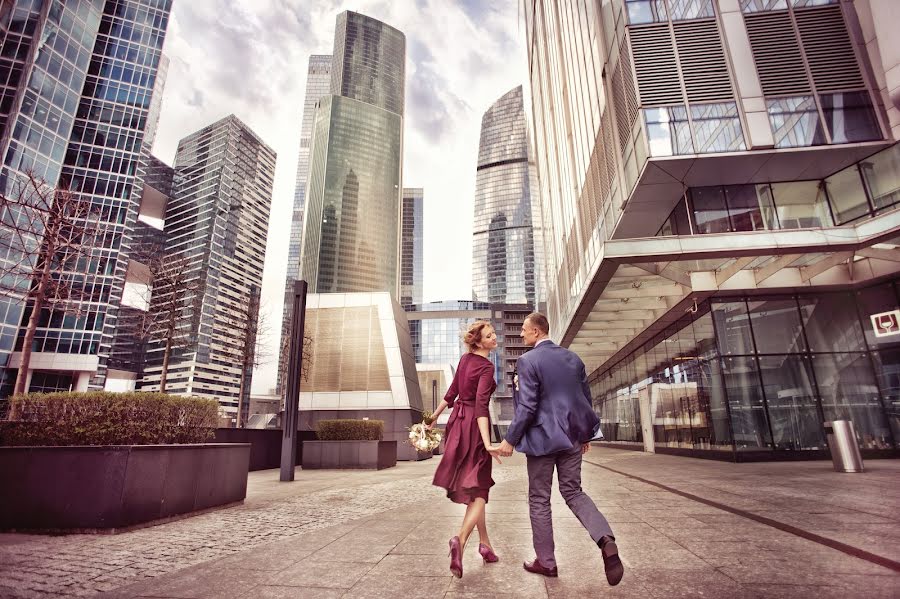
<point>755,377</point>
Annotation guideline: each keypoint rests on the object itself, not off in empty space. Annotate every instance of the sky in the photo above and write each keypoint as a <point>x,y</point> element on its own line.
<point>250,59</point>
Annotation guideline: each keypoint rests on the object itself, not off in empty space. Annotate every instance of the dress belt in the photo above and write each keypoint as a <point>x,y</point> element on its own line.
<point>463,406</point>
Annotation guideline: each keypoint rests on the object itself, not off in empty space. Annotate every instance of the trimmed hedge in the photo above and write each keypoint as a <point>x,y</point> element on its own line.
<point>102,418</point>
<point>350,430</point>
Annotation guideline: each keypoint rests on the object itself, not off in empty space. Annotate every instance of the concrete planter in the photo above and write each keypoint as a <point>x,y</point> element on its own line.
<point>112,487</point>
<point>371,455</point>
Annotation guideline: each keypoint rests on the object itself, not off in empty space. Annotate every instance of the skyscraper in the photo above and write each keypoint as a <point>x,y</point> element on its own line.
<point>720,180</point>
<point>411,247</point>
<point>507,248</point>
<point>351,226</point>
<point>216,221</point>
<point>78,77</point>
<point>318,84</point>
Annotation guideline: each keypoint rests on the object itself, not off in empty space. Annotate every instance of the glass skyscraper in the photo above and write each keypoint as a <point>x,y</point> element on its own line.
<point>217,218</point>
<point>76,85</point>
<point>318,84</point>
<point>507,246</point>
<point>351,226</point>
<point>411,247</point>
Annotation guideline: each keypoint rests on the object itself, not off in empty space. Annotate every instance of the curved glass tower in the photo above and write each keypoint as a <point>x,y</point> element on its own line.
<point>352,225</point>
<point>507,245</point>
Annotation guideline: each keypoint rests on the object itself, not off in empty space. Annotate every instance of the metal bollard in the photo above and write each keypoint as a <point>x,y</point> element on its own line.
<point>844,450</point>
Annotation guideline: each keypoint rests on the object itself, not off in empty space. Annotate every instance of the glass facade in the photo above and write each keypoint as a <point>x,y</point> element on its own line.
<point>350,237</point>
<point>436,329</point>
<point>860,191</point>
<point>318,84</point>
<point>217,219</point>
<point>412,247</point>
<point>507,252</point>
<point>760,373</point>
<point>83,114</point>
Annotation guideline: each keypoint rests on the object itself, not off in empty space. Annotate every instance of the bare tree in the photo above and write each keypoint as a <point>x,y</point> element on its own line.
<point>252,330</point>
<point>305,367</point>
<point>47,234</point>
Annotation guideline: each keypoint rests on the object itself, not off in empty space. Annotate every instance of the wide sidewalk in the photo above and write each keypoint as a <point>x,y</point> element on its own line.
<point>685,528</point>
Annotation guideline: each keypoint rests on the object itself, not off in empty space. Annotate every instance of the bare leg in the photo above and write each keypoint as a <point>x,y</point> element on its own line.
<point>482,530</point>
<point>474,512</point>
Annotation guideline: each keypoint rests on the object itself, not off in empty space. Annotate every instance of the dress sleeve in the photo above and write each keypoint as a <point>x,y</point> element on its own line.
<point>453,391</point>
<point>486,386</point>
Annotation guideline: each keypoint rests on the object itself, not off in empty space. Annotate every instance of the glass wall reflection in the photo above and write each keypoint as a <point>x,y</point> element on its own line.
<point>759,374</point>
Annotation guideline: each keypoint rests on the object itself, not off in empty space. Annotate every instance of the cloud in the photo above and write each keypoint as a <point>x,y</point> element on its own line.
<point>250,59</point>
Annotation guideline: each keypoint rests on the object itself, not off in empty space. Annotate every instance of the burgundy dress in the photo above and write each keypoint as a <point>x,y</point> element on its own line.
<point>465,468</point>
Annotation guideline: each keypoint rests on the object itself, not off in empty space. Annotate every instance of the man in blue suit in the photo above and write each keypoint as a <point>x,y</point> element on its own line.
<point>553,425</point>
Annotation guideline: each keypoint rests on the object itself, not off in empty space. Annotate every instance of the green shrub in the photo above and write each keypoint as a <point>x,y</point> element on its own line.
<point>350,430</point>
<point>102,418</point>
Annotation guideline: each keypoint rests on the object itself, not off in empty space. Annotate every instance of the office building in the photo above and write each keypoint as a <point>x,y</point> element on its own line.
<point>412,239</point>
<point>507,243</point>
<point>318,84</point>
<point>216,222</point>
<point>719,184</point>
<point>351,223</point>
<point>77,84</point>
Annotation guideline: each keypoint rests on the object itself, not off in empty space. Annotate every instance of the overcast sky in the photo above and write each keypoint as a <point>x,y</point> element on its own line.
<point>250,59</point>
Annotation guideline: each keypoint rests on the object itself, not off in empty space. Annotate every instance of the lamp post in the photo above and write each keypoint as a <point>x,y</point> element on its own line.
<point>292,393</point>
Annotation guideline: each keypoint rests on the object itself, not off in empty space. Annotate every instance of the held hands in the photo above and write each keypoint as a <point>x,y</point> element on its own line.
<point>505,449</point>
<point>494,450</point>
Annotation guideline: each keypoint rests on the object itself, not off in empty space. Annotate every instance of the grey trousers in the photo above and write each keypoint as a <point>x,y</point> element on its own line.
<point>540,483</point>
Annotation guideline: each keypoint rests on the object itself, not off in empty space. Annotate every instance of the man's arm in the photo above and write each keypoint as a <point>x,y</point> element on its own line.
<point>529,395</point>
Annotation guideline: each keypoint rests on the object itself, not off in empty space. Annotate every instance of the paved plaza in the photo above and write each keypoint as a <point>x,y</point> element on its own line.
<point>685,528</point>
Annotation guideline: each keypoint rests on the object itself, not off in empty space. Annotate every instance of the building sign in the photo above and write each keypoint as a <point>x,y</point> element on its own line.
<point>886,323</point>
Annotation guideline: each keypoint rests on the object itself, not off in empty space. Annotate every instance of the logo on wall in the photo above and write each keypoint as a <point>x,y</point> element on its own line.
<point>886,323</point>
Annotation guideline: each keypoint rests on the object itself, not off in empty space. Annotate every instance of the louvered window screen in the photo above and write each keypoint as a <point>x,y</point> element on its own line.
<point>655,65</point>
<point>703,64</point>
<point>828,48</point>
<point>777,54</point>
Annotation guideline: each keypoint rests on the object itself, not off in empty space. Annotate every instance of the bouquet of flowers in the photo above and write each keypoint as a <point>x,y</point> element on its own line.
<point>422,438</point>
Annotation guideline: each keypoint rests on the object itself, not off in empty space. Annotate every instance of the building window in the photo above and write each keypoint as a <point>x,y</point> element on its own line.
<point>847,195</point>
<point>795,122</point>
<point>717,127</point>
<point>646,11</point>
<point>850,117</point>
<point>683,10</point>
<point>668,131</point>
<point>808,3</point>
<point>709,210</point>
<point>751,207</point>
<point>801,205</point>
<point>882,175</point>
<point>749,6</point>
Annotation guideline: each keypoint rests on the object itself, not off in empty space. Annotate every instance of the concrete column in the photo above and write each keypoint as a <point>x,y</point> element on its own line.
<point>647,408</point>
<point>879,19</point>
<point>81,381</point>
<point>749,90</point>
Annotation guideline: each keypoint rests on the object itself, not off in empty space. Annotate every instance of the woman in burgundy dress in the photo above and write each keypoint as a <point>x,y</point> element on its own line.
<point>465,467</point>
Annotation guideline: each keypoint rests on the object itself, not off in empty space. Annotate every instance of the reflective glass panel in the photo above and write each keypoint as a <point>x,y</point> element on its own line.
<point>710,210</point>
<point>762,5</point>
<point>795,122</point>
<point>882,175</point>
<point>847,196</point>
<point>776,326</point>
<point>792,402</point>
<point>887,369</point>
<point>668,131</point>
<point>732,328</point>
<point>801,205</point>
<point>646,11</point>
<point>717,127</point>
<point>848,390</point>
<point>850,117</point>
<point>749,424</point>
<point>751,207</point>
<point>831,323</point>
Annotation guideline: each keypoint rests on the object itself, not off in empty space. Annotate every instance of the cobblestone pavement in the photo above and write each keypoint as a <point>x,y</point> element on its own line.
<point>82,565</point>
<point>384,534</point>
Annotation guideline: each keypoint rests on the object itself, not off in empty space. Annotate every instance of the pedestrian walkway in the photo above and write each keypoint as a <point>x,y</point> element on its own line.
<point>384,534</point>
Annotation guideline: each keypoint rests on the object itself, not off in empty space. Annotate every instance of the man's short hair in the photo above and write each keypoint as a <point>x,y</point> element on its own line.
<point>539,321</point>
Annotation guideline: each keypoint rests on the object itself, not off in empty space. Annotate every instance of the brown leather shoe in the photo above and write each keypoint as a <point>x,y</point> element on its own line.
<point>611,562</point>
<point>536,567</point>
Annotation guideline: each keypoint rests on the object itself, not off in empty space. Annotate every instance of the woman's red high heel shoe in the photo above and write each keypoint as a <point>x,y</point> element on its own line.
<point>487,554</point>
<point>455,557</point>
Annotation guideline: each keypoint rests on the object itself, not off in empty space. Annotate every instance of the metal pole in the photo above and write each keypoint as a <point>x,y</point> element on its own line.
<point>292,391</point>
<point>433,395</point>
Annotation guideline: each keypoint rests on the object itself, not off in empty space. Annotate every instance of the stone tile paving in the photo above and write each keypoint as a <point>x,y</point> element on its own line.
<point>358,535</point>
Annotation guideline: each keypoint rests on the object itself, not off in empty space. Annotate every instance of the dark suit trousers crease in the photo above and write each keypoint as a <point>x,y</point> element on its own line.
<point>540,483</point>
